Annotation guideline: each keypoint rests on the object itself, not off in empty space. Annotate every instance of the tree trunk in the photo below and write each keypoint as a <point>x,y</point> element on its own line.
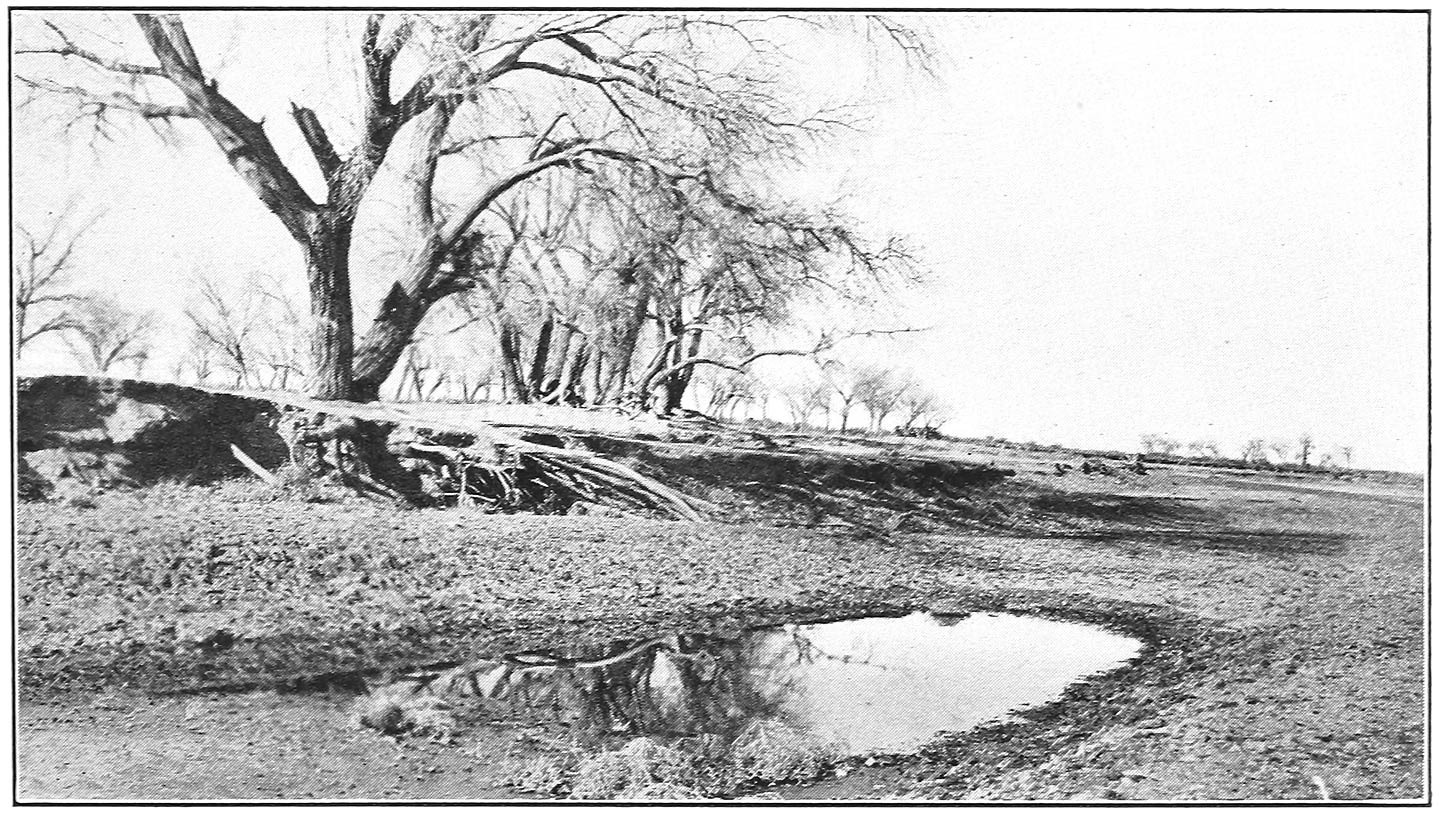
<point>510,379</point>
<point>572,377</point>
<point>400,314</point>
<point>600,389</point>
<point>332,337</point>
<point>621,377</point>
<point>674,386</point>
<point>424,278</point>
<point>672,390</point>
<point>539,362</point>
<point>557,370</point>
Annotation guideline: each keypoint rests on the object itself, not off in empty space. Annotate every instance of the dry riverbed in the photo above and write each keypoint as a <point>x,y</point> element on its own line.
<point>171,639</point>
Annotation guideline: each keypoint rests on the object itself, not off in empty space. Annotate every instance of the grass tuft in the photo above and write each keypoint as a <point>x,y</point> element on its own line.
<point>623,773</point>
<point>665,791</point>
<point>770,751</point>
<point>397,710</point>
<point>689,768</point>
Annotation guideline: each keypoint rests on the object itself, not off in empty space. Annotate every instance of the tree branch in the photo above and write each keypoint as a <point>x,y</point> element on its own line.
<point>117,100</point>
<point>691,362</point>
<point>68,48</point>
<point>317,139</point>
<point>241,139</point>
<point>465,215</point>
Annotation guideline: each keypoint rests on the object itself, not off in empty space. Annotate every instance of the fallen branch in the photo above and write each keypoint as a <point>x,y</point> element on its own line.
<point>253,466</point>
<point>604,467</point>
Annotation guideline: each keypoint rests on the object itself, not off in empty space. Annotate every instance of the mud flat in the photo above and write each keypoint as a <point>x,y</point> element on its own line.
<point>174,639</point>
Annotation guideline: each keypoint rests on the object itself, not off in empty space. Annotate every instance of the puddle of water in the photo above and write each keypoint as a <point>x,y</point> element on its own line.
<point>891,684</point>
<point>870,685</point>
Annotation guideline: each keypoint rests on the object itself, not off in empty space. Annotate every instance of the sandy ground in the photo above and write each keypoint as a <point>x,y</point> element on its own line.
<point>1284,622</point>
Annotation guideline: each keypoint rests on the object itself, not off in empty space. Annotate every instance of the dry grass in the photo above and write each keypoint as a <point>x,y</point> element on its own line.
<point>397,710</point>
<point>769,751</point>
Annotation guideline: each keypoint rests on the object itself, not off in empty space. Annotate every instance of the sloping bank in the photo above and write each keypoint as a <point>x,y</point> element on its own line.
<point>159,562</point>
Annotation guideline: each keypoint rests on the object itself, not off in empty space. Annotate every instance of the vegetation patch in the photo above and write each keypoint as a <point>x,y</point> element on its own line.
<point>768,752</point>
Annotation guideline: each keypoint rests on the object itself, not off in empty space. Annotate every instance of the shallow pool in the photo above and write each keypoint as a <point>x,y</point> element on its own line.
<point>890,684</point>
<point>879,684</point>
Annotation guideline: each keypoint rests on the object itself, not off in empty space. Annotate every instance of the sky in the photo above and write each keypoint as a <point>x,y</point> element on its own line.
<point>1211,226</point>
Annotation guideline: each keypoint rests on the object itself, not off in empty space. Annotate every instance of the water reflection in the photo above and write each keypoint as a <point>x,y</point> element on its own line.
<point>876,684</point>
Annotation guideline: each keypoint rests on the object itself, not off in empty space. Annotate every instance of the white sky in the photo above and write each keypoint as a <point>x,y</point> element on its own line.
<point>1211,226</point>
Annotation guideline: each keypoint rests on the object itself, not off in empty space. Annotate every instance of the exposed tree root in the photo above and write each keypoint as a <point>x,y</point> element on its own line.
<point>384,452</point>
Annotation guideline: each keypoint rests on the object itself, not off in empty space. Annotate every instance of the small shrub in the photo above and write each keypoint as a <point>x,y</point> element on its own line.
<point>396,710</point>
<point>30,485</point>
<point>546,775</point>
<point>693,767</point>
<point>294,485</point>
<point>625,772</point>
<point>665,791</point>
<point>76,493</point>
<point>770,751</point>
<point>245,491</point>
<point>601,776</point>
<point>300,484</point>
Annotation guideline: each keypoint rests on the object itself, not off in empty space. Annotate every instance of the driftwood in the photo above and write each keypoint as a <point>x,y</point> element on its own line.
<point>254,467</point>
<point>492,455</point>
<point>585,475</point>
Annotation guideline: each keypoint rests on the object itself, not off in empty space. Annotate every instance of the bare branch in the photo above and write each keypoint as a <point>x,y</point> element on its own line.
<point>106,334</point>
<point>68,48</point>
<point>241,139</point>
<point>97,103</point>
<point>317,139</point>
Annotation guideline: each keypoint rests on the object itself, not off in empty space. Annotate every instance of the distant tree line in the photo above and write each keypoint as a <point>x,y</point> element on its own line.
<point>832,395</point>
<point>1300,451</point>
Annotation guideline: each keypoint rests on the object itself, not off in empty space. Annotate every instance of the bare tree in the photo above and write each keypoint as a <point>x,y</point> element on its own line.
<point>197,362</point>
<point>919,402</point>
<point>279,335</point>
<point>223,330</point>
<point>817,400</point>
<point>41,269</point>
<point>1203,448</point>
<point>846,383</point>
<point>726,391</point>
<point>1253,451</point>
<point>1305,443</point>
<point>422,374</point>
<point>880,392</point>
<point>804,399</point>
<point>643,91</point>
<point>1281,449</point>
<point>1158,443</point>
<point>106,334</point>
<point>1347,452</point>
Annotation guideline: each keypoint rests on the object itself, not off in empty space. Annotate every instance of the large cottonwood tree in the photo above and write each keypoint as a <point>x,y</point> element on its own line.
<point>647,90</point>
